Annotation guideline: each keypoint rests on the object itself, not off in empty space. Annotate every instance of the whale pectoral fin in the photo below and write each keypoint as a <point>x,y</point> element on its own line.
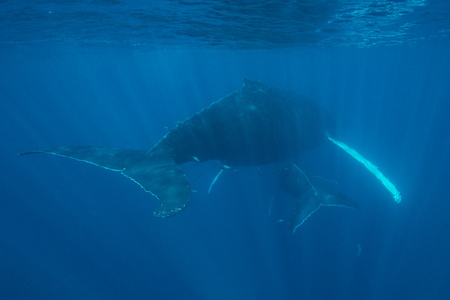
<point>306,206</point>
<point>155,173</point>
<point>166,181</point>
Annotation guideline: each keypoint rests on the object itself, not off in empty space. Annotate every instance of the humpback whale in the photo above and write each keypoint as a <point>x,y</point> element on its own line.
<point>252,126</point>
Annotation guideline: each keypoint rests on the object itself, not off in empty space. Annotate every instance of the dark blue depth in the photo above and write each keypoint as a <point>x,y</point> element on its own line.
<point>74,231</point>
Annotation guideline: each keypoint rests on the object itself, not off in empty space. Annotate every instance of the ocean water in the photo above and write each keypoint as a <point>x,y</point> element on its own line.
<point>123,73</point>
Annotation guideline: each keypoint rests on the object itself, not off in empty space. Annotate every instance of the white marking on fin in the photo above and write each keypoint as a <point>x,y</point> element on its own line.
<point>312,186</point>
<point>328,180</point>
<point>82,160</point>
<point>307,217</point>
<point>214,180</point>
<point>372,168</point>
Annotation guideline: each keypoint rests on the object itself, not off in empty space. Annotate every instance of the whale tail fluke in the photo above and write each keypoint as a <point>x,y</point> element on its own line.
<point>155,171</point>
<point>294,182</point>
<point>312,201</point>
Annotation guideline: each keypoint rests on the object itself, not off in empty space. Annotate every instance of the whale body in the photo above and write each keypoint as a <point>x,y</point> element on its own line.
<point>255,125</point>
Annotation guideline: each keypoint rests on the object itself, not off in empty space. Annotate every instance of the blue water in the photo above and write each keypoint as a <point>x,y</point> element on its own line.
<point>121,74</point>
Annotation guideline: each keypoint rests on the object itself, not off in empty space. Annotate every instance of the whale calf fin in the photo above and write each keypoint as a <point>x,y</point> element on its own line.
<point>154,171</point>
